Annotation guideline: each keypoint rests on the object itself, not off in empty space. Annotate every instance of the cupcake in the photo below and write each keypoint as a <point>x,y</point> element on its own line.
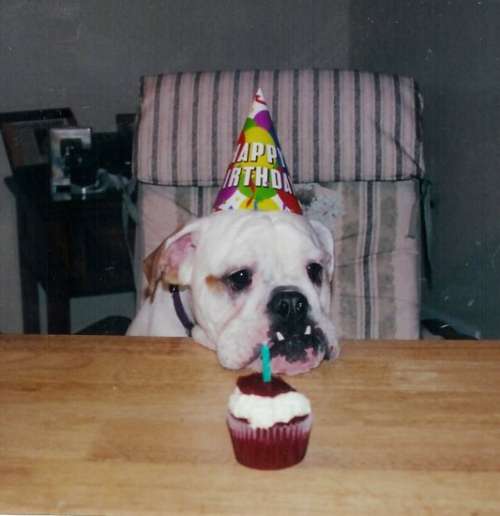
<point>269,423</point>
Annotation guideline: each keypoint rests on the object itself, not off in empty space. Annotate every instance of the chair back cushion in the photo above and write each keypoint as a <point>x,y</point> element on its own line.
<point>333,125</point>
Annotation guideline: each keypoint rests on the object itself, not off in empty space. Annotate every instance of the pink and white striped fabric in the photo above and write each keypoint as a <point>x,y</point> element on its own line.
<point>333,125</point>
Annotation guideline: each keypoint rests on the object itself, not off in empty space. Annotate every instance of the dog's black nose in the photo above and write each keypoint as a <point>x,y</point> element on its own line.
<point>288,306</point>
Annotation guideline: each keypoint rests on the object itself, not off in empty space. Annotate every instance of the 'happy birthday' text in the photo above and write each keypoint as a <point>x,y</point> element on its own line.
<point>262,177</point>
<point>252,151</point>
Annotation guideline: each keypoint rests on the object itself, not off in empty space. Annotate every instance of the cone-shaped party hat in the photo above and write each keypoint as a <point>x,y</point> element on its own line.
<point>257,178</point>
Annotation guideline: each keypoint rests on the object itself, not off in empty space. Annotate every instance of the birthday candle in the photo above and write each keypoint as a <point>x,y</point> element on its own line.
<point>266,363</point>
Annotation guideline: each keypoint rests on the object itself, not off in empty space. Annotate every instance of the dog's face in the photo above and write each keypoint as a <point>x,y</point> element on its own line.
<point>256,277</point>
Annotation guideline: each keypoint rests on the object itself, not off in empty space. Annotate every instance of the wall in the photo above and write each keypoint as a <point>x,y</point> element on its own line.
<point>89,55</point>
<point>453,50</point>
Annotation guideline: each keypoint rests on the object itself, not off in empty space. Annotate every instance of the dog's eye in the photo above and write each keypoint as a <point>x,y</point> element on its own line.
<point>239,280</point>
<point>315,273</point>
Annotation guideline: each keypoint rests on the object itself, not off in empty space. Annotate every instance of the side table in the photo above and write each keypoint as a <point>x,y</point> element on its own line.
<point>72,248</point>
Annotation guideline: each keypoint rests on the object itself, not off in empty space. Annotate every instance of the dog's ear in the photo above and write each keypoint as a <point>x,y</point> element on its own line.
<point>326,239</point>
<point>172,261</point>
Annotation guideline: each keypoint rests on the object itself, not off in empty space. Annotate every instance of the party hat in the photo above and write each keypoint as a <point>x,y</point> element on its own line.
<point>257,178</point>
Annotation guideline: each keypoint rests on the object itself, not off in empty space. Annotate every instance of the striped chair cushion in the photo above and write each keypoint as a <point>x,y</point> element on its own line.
<point>333,125</point>
<point>375,227</point>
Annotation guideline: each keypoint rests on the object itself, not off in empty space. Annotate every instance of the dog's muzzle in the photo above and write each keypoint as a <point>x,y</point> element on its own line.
<point>292,331</point>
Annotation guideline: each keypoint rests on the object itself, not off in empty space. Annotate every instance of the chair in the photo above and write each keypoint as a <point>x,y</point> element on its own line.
<point>353,144</point>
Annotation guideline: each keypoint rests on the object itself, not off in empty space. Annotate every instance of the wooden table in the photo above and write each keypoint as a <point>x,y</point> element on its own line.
<point>116,425</point>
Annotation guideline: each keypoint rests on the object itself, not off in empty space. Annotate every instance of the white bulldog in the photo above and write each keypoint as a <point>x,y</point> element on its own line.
<point>246,278</point>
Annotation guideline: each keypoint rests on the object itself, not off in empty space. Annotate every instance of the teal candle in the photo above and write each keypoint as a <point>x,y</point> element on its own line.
<point>266,363</point>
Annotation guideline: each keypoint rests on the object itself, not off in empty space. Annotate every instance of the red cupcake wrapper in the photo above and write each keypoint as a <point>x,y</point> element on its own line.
<point>277,447</point>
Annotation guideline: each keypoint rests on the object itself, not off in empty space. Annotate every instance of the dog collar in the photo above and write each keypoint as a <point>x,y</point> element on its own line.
<point>180,311</point>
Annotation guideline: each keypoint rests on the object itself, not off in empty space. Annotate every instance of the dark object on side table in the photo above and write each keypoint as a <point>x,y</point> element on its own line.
<point>26,134</point>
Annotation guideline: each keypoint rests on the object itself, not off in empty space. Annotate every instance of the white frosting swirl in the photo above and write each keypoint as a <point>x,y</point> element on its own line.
<point>264,411</point>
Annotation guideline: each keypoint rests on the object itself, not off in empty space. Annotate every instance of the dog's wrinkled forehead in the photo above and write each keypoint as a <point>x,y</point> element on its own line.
<point>244,238</point>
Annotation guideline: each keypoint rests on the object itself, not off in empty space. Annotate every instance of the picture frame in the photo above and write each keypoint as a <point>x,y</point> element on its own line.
<point>59,136</point>
<point>26,134</point>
